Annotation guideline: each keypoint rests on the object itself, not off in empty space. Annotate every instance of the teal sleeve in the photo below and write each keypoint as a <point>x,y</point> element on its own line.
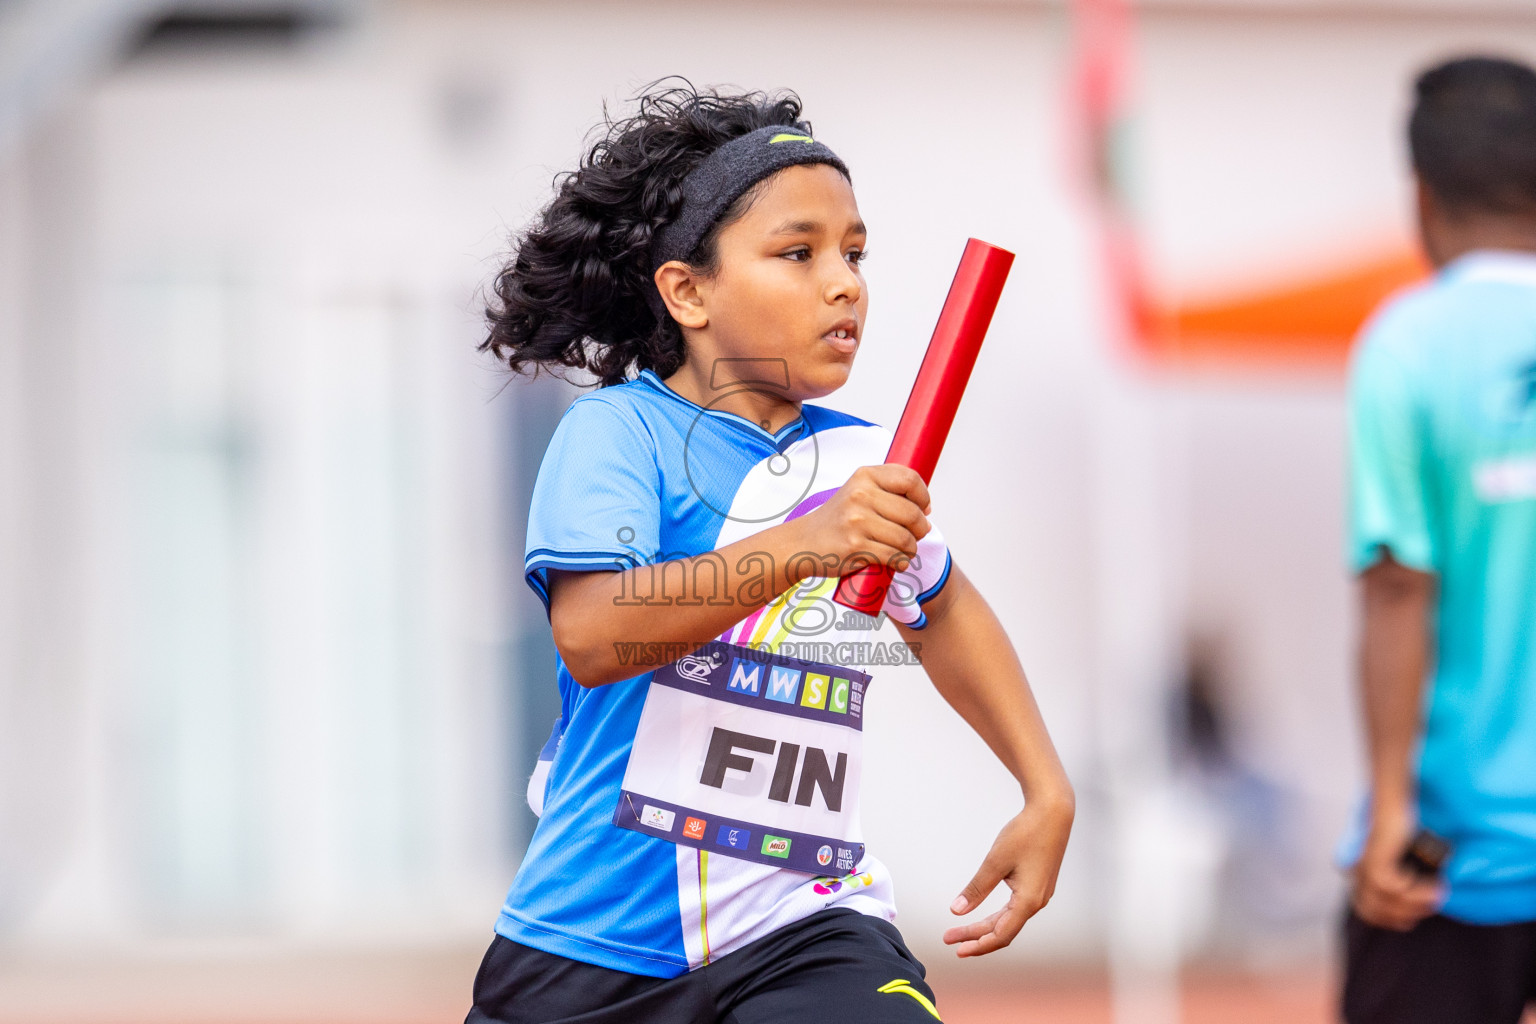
<point>1390,506</point>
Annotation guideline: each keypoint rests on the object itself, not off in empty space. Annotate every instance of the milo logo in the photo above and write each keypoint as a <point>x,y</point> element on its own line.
<point>775,846</point>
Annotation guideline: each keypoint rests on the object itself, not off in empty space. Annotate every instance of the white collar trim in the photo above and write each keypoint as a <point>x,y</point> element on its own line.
<point>1504,265</point>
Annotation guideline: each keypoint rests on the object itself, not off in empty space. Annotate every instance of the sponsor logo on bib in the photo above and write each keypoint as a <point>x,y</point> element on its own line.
<point>746,676</point>
<point>783,684</point>
<point>820,691</point>
<point>735,838</point>
<point>776,846</point>
<point>816,687</point>
<point>655,817</point>
<point>824,856</point>
<point>839,698</point>
<point>697,667</point>
<point>757,676</point>
<point>693,828</point>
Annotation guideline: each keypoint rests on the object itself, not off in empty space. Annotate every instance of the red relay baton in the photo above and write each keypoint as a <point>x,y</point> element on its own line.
<point>935,397</point>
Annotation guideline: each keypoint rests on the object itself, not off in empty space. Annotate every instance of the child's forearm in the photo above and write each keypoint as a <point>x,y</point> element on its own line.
<point>968,656</point>
<point>610,626</point>
<point>603,620</point>
<point>972,663</point>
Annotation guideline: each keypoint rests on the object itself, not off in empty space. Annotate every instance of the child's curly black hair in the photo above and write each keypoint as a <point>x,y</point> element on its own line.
<point>574,292</point>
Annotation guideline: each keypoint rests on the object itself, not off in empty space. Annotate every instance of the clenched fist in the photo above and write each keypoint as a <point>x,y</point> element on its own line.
<point>877,516</point>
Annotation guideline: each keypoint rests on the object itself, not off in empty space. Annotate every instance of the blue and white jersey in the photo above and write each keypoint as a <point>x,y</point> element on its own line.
<point>638,475</point>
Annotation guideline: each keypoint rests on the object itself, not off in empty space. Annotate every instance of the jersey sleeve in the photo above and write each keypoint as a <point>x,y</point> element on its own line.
<point>1390,506</point>
<point>597,501</point>
<point>920,582</point>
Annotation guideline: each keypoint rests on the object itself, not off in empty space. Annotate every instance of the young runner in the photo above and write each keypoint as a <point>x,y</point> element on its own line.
<point>698,856</point>
<point>1443,535</point>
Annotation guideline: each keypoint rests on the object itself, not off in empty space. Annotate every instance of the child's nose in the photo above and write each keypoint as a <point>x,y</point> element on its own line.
<point>843,283</point>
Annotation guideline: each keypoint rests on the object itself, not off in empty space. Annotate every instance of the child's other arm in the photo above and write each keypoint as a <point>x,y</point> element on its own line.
<point>968,655</point>
<point>879,513</point>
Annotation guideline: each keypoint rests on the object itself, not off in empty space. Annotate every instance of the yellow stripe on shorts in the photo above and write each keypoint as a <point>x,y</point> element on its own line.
<point>905,986</point>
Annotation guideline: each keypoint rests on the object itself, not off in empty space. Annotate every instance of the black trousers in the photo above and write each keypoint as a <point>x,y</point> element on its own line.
<point>834,967</point>
<point>1440,972</point>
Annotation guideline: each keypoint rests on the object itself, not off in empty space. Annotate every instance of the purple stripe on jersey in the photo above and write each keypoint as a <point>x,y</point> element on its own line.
<point>811,504</point>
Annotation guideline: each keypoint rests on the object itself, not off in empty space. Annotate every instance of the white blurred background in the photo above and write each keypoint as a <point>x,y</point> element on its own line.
<point>270,681</point>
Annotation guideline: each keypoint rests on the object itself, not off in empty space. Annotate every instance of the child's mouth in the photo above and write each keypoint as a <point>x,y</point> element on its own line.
<point>843,339</point>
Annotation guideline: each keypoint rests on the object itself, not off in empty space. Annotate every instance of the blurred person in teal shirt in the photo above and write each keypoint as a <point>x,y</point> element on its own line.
<point>1443,535</point>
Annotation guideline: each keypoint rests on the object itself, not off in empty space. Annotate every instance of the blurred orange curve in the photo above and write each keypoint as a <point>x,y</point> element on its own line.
<point>1309,321</point>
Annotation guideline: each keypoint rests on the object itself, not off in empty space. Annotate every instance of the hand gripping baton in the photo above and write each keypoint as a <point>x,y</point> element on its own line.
<point>935,397</point>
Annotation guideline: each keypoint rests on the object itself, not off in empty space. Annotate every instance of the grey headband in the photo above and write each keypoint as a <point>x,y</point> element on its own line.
<point>722,178</point>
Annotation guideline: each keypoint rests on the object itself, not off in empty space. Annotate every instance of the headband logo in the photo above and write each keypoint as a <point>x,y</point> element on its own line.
<point>789,137</point>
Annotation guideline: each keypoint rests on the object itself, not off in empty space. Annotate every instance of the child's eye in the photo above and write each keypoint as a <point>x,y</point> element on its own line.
<point>799,254</point>
<point>856,256</point>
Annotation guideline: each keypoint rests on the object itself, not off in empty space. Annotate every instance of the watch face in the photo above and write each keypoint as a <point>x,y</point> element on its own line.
<point>1427,854</point>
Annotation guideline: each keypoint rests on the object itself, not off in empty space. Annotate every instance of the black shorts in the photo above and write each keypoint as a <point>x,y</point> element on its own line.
<point>834,967</point>
<point>1441,972</point>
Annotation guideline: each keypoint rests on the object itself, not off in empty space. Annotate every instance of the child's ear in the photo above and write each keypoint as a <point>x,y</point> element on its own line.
<point>679,289</point>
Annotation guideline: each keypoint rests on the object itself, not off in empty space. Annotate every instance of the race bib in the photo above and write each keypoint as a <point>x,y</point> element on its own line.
<point>751,755</point>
